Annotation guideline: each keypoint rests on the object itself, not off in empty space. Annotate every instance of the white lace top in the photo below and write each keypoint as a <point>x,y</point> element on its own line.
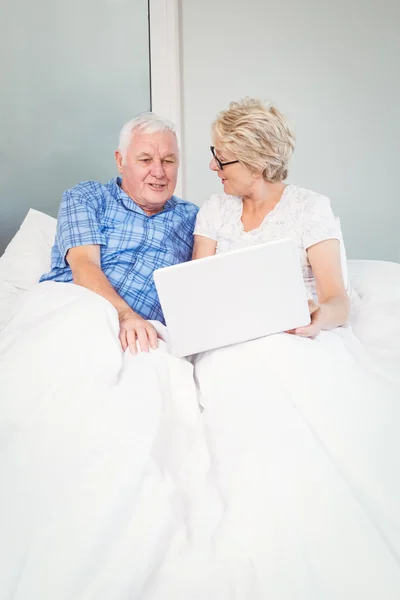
<point>302,215</point>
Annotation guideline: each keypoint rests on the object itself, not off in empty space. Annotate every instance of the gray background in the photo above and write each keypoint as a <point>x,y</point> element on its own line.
<point>333,68</point>
<point>71,74</point>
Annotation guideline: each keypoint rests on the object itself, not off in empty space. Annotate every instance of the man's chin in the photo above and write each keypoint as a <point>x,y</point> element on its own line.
<point>159,198</point>
<point>155,202</point>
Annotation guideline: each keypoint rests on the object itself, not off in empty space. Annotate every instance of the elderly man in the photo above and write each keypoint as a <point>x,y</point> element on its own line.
<point>94,437</point>
<point>110,238</point>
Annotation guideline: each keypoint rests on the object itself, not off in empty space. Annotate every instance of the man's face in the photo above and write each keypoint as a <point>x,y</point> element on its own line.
<point>150,170</point>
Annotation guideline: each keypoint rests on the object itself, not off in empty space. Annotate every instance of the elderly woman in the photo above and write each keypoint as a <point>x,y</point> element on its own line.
<point>302,432</point>
<point>252,148</point>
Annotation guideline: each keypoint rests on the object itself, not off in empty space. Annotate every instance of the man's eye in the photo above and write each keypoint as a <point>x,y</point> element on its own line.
<point>145,160</point>
<point>168,162</point>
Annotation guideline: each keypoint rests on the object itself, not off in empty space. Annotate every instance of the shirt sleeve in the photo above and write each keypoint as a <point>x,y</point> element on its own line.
<point>209,219</point>
<point>319,222</point>
<point>78,222</point>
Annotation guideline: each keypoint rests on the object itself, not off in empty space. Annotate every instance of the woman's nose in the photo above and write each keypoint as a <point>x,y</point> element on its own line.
<point>213,165</point>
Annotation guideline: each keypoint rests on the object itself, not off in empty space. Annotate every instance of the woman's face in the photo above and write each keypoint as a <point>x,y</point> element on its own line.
<point>236,178</point>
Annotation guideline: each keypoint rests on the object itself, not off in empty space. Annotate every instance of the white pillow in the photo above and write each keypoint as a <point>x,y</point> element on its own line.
<point>375,280</point>
<point>28,254</point>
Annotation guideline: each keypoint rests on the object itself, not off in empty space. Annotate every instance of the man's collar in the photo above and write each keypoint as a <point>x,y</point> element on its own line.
<point>130,204</point>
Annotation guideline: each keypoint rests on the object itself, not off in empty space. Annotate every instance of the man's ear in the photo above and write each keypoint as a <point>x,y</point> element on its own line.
<point>119,161</point>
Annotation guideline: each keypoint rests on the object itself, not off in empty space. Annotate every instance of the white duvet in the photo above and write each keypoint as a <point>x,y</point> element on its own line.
<point>115,485</point>
<point>92,442</point>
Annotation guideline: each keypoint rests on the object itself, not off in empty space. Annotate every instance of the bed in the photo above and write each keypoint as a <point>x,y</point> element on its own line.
<point>100,504</point>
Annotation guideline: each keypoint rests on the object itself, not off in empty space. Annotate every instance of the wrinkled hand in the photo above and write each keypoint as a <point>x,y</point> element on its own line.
<point>136,333</point>
<point>317,321</point>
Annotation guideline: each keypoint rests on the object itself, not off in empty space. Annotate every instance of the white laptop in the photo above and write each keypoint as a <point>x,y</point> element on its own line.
<point>233,297</point>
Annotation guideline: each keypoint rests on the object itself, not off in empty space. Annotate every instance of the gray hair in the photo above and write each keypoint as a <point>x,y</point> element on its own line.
<point>147,122</point>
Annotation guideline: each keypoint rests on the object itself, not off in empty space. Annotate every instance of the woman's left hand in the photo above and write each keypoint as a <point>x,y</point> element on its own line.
<point>317,321</point>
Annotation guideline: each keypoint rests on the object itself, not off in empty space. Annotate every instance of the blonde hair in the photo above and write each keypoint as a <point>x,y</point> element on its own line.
<point>258,135</point>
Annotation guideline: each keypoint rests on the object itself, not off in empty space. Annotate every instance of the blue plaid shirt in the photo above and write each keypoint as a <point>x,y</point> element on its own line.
<point>132,244</point>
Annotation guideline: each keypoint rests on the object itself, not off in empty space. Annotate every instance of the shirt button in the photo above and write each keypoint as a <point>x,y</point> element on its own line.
<point>130,277</point>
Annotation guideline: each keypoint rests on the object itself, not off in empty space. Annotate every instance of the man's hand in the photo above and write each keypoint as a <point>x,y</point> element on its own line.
<point>134,331</point>
<point>86,270</point>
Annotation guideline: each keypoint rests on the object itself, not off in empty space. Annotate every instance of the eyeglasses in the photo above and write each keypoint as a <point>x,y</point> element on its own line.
<point>220,164</point>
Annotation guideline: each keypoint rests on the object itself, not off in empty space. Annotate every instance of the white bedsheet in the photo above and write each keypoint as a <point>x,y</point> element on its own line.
<point>117,487</point>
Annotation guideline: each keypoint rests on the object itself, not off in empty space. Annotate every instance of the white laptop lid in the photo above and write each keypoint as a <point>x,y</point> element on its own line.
<point>233,297</point>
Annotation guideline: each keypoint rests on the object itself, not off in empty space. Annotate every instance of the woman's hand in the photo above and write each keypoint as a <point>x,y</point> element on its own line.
<point>317,321</point>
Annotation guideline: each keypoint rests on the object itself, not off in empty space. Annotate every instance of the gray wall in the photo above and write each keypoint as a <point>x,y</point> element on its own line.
<point>72,72</point>
<point>333,68</point>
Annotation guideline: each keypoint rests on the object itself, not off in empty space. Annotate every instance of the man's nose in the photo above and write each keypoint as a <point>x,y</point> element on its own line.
<point>157,169</point>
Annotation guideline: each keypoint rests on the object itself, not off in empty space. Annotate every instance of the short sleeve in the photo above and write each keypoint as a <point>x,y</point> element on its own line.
<point>78,223</point>
<point>209,218</point>
<point>318,222</point>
